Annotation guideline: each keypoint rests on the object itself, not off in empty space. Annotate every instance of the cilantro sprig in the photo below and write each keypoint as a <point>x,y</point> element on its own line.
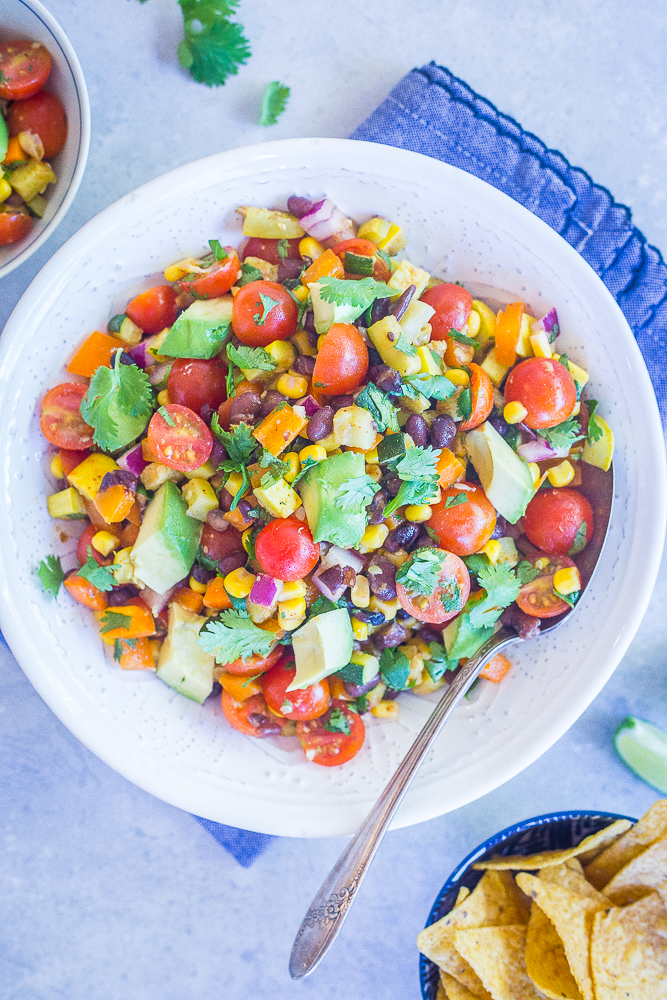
<point>354,495</point>
<point>337,722</point>
<point>268,304</point>
<point>380,407</point>
<point>563,435</point>
<point>51,575</point>
<point>394,669</point>
<point>595,431</point>
<point>248,358</point>
<point>274,103</point>
<point>358,294</point>
<point>118,404</point>
<point>114,619</point>
<point>239,445</point>
<point>419,573</point>
<point>213,47</point>
<point>100,576</point>
<point>431,386</point>
<point>418,463</point>
<point>235,636</point>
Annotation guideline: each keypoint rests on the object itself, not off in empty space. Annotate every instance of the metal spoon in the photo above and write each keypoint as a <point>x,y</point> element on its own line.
<point>330,906</point>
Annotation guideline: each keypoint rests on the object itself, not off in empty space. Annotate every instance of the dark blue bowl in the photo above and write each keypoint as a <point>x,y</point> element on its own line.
<point>542,833</point>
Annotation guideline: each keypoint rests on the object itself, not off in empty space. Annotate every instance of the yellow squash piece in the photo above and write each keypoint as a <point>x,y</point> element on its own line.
<point>88,475</point>
<point>66,505</point>
<point>601,452</point>
<point>270,225</point>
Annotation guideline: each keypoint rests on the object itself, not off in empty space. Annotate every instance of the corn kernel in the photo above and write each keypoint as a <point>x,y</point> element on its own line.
<point>301,342</point>
<point>534,470</point>
<point>104,542</point>
<point>374,472</point>
<point>373,537</point>
<point>567,580</point>
<point>292,460</point>
<point>295,607</point>
<point>418,513</point>
<point>561,475</point>
<point>515,412</point>
<point>163,398</point>
<point>577,409</point>
<point>371,457</point>
<point>234,483</point>
<point>474,323</point>
<point>309,247</point>
<point>397,558</point>
<point>541,563</point>
<point>245,539</point>
<point>199,588</point>
<point>56,467</point>
<point>359,629</point>
<point>320,341</point>
<point>239,582</point>
<point>385,710</point>
<point>314,452</point>
<point>457,376</point>
<point>540,344</point>
<point>293,386</point>
<point>182,267</point>
<point>300,293</point>
<point>282,352</point>
<point>360,593</point>
<point>5,189</point>
<point>388,608</point>
<point>292,590</point>
<point>493,550</point>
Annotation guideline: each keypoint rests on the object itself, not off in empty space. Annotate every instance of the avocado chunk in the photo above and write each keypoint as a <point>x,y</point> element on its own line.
<point>325,314</point>
<point>319,489</point>
<point>166,546</point>
<point>201,330</point>
<point>321,647</point>
<point>183,664</point>
<point>505,479</point>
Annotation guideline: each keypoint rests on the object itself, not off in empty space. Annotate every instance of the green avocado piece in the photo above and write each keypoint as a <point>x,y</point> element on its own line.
<point>321,647</point>
<point>183,664</point>
<point>318,490</point>
<point>325,314</point>
<point>4,138</point>
<point>166,546</point>
<point>201,330</point>
<point>505,479</point>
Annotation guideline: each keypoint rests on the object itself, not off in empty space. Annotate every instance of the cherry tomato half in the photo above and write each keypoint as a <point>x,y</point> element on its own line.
<point>306,703</point>
<point>481,390</point>
<point>538,597</point>
<point>44,114</point>
<point>465,525</point>
<point>13,227</point>
<point>448,598</point>
<point>268,249</point>
<point>363,248</point>
<point>61,422</point>
<point>84,544</point>
<point>184,442</point>
<point>452,305</point>
<point>194,382</point>
<point>217,280</point>
<point>24,68</point>
<point>342,361</point>
<point>555,516</point>
<point>332,748</point>
<point>258,322</point>
<point>545,387</point>
<point>154,310</point>
<point>254,665</point>
<point>250,717</point>
<point>285,549</point>
<point>217,544</point>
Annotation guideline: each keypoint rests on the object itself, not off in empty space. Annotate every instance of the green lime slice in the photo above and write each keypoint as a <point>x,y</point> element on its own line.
<point>643,747</point>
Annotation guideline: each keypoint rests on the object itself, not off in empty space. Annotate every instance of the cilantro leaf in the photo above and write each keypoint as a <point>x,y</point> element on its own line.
<point>302,307</point>
<point>418,463</point>
<point>450,593</point>
<point>218,250</point>
<point>563,435</point>
<point>580,539</point>
<point>405,347</point>
<point>595,432</point>
<point>337,722</point>
<point>51,575</point>
<point>455,501</point>
<point>570,599</point>
<point>307,464</point>
<point>100,576</point>
<point>268,304</point>
<point>118,404</point>
<point>248,273</point>
<point>282,249</point>
<point>354,495</point>
<point>238,443</point>
<point>235,636</point>
<point>526,572</point>
<point>322,604</point>
<point>213,47</point>
<point>502,588</point>
<point>438,664</point>
<point>419,573</point>
<point>166,416</point>
<point>464,403</point>
<point>273,103</point>
<point>461,338</point>
<point>251,357</point>
<point>268,461</point>
<point>469,638</point>
<point>121,646</point>
<point>114,619</point>
<point>415,491</point>
<point>379,406</point>
<point>432,534</point>
<point>359,294</point>
<point>431,386</point>
<point>394,669</point>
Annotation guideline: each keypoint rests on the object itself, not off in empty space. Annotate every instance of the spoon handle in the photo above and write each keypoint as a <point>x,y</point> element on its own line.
<point>328,910</point>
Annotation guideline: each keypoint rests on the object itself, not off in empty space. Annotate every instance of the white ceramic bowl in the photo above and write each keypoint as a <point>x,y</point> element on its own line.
<point>458,227</point>
<point>30,19</point>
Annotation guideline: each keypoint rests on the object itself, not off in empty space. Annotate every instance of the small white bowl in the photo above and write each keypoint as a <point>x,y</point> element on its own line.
<point>30,19</point>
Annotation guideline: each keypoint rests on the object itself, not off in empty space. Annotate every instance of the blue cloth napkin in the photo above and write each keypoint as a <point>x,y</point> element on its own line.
<point>432,112</point>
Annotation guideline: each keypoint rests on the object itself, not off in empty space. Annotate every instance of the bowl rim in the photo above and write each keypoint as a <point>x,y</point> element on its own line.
<point>426,966</point>
<point>83,100</point>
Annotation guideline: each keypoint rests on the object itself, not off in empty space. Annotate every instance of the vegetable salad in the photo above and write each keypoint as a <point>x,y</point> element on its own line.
<point>315,474</point>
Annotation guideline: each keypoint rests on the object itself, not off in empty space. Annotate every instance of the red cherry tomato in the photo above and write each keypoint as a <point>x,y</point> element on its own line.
<point>183,443</point>
<point>538,597</point>
<point>85,543</point>
<point>363,248</point>
<point>154,310</point>
<point>268,249</point>
<point>481,390</point>
<point>285,549</point>
<point>342,361</point>
<point>24,68</point>
<point>553,518</point>
<point>258,323</point>
<point>332,748</point>
<point>546,389</point>
<point>217,280</point>
<point>246,716</point>
<point>448,598</point>
<point>193,382</point>
<point>44,114</point>
<point>307,703</point>
<point>466,526</point>
<point>70,459</point>
<point>254,665</point>
<point>13,227</point>
<point>61,422</point>
<point>217,544</point>
<point>452,305</point>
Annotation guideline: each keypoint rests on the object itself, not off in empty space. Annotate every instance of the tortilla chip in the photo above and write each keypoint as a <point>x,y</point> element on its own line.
<point>645,872</point>
<point>546,962</point>
<point>452,989</point>
<point>462,894</point>
<point>629,951</point>
<point>441,994</point>
<point>572,916</point>
<point>650,828</point>
<point>547,858</point>
<point>497,954</point>
<point>571,876</point>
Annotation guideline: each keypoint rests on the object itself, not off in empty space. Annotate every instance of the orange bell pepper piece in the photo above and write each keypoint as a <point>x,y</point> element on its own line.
<point>496,668</point>
<point>237,519</point>
<point>137,654</point>
<point>216,597</point>
<point>141,623</point>
<point>188,599</point>
<point>280,428</point>
<point>14,152</point>
<point>240,688</point>
<point>97,350</point>
<point>326,265</point>
<point>85,593</point>
<point>449,468</point>
<point>115,503</point>
<point>508,327</point>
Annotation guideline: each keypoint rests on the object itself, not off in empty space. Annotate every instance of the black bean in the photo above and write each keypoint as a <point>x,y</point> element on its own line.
<point>379,310</point>
<point>264,725</point>
<point>225,499</point>
<point>442,431</point>
<point>424,541</point>
<point>218,453</point>
<point>392,485</point>
<point>399,307</point>
<point>119,477</point>
<point>202,575</point>
<point>320,424</point>
<point>382,578</point>
<point>526,548</point>
<point>245,408</point>
<point>332,578</point>
<point>299,206</point>
<point>375,510</point>
<point>338,402</point>
<point>526,625</point>
<point>121,595</point>
<point>430,634</point>
<point>401,537</point>
<point>417,428</point>
<point>389,637</point>
<point>385,378</point>
<point>390,694</point>
<point>370,617</point>
<point>269,401</point>
<point>304,365</point>
<point>309,323</point>
<point>356,690</point>
<point>235,560</point>
<point>500,528</point>
<point>288,269</point>
<point>216,518</point>
<point>244,509</point>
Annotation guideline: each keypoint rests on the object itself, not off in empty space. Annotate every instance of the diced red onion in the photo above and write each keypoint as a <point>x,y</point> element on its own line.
<point>327,224</point>
<point>140,356</point>
<point>133,461</point>
<point>321,585</point>
<point>342,557</point>
<point>539,450</point>
<point>159,374</point>
<point>265,590</point>
<point>310,405</point>
<point>548,324</point>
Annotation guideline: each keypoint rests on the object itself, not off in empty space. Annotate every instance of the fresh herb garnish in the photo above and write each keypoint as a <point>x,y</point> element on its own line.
<point>274,102</point>
<point>358,294</point>
<point>438,664</point>
<point>248,273</point>
<point>51,575</point>
<point>248,358</point>
<point>239,445</point>
<point>166,416</point>
<point>419,574</point>
<point>234,636</point>
<point>121,646</point>
<point>405,347</point>
<point>380,407</point>
<point>418,463</point>
<point>394,669</point>
<point>305,465</point>
<point>450,593</point>
<point>114,619</point>
<point>464,404</point>
<point>431,386</point>
<point>595,431</point>
<point>455,501</point>
<point>218,250</point>
<point>213,47</point>
<point>570,599</point>
<point>118,404</point>
<point>100,576</point>
<point>354,495</point>
<point>268,304</point>
<point>322,604</point>
<point>282,249</point>
<point>337,722</point>
<point>502,587</point>
<point>415,491</point>
<point>563,435</point>
<point>580,538</point>
<point>462,338</point>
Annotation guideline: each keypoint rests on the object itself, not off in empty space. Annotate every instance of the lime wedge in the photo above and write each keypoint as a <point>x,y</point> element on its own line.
<point>643,747</point>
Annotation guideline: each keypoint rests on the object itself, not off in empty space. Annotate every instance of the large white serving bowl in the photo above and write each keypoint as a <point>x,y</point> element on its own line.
<point>458,227</point>
<point>30,19</point>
